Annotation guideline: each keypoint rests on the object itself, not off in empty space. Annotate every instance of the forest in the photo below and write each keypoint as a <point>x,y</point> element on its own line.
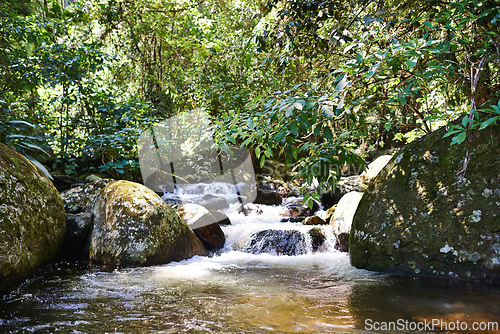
<point>249,166</point>
<point>312,84</point>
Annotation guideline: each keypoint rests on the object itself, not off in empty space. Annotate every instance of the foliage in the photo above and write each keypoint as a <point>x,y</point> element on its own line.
<point>309,83</point>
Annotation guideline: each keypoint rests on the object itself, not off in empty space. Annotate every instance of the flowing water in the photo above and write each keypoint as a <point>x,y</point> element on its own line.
<point>237,291</point>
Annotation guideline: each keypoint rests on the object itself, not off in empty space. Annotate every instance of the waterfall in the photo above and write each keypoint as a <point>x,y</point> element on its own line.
<point>258,228</point>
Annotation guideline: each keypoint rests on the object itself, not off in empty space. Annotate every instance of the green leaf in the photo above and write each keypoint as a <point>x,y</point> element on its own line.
<point>452,132</point>
<point>257,152</point>
<point>250,123</point>
<point>279,136</point>
<point>402,99</point>
<point>289,111</point>
<point>39,166</point>
<point>489,122</point>
<point>310,203</point>
<point>458,139</point>
<point>328,133</point>
<point>342,83</point>
<point>427,23</point>
<point>411,62</point>
<point>21,123</point>
<point>372,71</point>
<point>387,126</point>
<point>294,129</point>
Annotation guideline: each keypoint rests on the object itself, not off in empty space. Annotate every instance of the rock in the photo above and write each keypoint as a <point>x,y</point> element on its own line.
<point>93,178</point>
<point>268,197</point>
<point>220,217</point>
<point>75,199</point>
<point>416,218</point>
<point>317,238</point>
<point>250,208</point>
<point>314,220</point>
<point>341,221</point>
<point>277,242</point>
<point>78,229</point>
<point>32,220</point>
<point>328,214</point>
<point>351,183</point>
<point>204,224</point>
<point>134,226</point>
<point>375,167</point>
<point>63,182</point>
<point>342,218</point>
<point>212,202</point>
<point>211,236</point>
<point>292,219</point>
<point>329,199</point>
<point>342,242</point>
<point>296,211</point>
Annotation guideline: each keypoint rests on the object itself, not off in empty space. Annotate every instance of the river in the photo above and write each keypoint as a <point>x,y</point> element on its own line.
<point>236,291</point>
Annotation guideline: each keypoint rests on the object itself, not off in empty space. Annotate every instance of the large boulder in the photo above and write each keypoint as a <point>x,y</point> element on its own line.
<point>133,226</point>
<point>31,219</point>
<point>417,218</point>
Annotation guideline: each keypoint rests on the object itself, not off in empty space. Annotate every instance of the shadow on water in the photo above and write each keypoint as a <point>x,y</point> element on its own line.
<point>424,300</point>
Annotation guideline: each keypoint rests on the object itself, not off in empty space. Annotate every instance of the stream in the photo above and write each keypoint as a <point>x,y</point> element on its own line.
<point>241,289</point>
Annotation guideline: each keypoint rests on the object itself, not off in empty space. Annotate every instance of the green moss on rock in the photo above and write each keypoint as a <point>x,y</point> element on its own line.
<point>416,218</point>
<point>32,219</point>
<point>134,226</point>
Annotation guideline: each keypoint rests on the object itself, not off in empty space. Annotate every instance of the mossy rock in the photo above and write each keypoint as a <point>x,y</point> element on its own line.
<point>133,226</point>
<point>32,219</point>
<point>417,218</point>
<point>76,198</point>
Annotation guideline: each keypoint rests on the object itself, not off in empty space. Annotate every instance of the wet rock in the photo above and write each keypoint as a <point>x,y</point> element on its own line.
<point>211,236</point>
<point>134,226</point>
<point>267,196</point>
<point>342,242</point>
<point>204,223</point>
<point>32,220</point>
<point>328,214</point>
<point>296,211</point>
<point>220,217</point>
<point>250,208</point>
<point>75,199</point>
<point>318,238</point>
<point>417,218</point>
<point>277,242</point>
<point>314,220</point>
<point>78,228</point>
<point>212,202</point>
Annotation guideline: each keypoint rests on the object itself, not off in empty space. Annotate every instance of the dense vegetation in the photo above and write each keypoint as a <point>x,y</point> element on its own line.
<point>313,84</point>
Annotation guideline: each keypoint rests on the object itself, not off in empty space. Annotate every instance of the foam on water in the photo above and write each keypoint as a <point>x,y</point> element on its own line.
<point>194,193</point>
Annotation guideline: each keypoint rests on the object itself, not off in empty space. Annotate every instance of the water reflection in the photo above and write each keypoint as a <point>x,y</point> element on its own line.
<point>238,292</point>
